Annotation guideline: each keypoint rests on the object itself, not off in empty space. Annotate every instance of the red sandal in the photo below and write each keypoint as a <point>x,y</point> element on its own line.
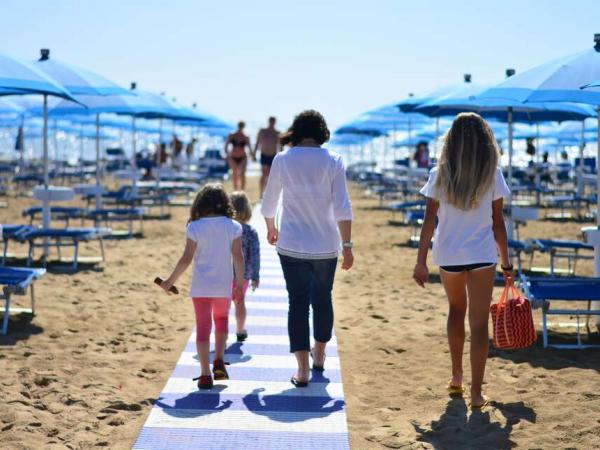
<point>204,382</point>
<point>219,370</point>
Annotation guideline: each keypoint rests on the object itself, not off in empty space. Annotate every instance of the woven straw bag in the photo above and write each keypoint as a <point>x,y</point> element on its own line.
<point>513,320</point>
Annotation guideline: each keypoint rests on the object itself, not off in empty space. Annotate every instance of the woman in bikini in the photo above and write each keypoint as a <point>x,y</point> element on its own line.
<point>237,158</point>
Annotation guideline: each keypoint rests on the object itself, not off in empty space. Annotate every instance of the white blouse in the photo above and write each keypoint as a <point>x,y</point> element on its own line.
<point>465,237</point>
<point>311,183</point>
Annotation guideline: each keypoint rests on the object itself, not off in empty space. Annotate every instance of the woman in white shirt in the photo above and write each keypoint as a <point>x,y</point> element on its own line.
<point>314,213</point>
<point>465,194</point>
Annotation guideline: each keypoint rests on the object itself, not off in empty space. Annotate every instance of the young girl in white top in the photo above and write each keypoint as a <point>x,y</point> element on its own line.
<point>465,194</point>
<point>213,243</point>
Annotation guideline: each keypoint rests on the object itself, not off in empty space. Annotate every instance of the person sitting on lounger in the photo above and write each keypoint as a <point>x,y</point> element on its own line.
<point>464,192</point>
<point>251,247</point>
<point>214,243</point>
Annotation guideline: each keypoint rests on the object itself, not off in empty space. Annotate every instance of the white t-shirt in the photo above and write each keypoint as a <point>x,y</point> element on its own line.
<point>465,237</point>
<point>311,182</point>
<point>212,274</point>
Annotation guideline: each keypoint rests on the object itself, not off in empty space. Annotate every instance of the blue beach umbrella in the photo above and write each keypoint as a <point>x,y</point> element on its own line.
<point>76,80</point>
<point>409,103</point>
<point>558,81</point>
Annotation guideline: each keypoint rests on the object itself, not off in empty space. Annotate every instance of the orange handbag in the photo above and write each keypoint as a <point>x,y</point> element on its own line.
<point>512,320</point>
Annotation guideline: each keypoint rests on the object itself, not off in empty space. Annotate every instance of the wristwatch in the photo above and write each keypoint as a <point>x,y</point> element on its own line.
<point>348,244</point>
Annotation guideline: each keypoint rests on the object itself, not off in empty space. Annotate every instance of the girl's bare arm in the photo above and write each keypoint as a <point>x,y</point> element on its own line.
<point>238,261</point>
<point>421,273</point>
<point>500,234</point>
<point>182,264</point>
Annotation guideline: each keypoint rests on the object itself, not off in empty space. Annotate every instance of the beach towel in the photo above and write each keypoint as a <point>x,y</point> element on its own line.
<point>513,320</point>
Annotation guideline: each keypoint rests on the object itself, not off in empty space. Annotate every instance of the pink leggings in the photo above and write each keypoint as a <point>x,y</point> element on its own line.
<point>205,307</point>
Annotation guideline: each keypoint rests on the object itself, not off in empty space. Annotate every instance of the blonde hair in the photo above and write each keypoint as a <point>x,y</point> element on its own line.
<point>467,165</point>
<point>241,206</point>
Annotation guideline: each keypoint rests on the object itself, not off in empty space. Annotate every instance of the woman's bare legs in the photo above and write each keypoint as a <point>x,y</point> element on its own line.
<point>455,287</point>
<point>235,172</point>
<point>319,353</point>
<point>242,173</point>
<point>303,373</point>
<point>480,284</point>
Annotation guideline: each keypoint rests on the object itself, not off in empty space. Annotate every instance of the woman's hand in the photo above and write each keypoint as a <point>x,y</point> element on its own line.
<point>255,284</point>
<point>167,285</point>
<point>348,258</point>
<point>421,274</point>
<point>272,235</point>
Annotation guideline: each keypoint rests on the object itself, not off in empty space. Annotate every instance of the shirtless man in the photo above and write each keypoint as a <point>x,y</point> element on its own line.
<point>268,142</point>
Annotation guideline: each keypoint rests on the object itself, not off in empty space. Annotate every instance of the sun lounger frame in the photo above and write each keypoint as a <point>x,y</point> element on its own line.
<point>526,284</point>
<point>19,289</point>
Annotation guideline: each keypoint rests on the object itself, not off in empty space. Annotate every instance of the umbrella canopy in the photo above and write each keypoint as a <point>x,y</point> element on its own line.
<point>8,106</point>
<point>556,81</point>
<point>76,80</point>
<point>19,77</point>
<point>409,103</point>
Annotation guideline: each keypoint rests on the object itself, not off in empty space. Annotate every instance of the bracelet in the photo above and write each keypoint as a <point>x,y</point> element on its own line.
<point>507,269</point>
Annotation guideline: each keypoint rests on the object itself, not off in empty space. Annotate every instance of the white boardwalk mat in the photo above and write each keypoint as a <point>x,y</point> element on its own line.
<point>258,408</point>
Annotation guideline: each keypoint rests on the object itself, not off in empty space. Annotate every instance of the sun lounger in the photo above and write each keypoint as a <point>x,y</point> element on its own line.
<point>405,207</point>
<point>517,248</point>
<point>65,213</point>
<point>11,232</point>
<point>16,280</point>
<point>62,237</point>
<point>541,290</point>
<point>558,248</point>
<point>110,215</point>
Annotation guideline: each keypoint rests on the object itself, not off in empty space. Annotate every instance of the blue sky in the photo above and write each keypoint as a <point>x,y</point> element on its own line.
<point>247,60</point>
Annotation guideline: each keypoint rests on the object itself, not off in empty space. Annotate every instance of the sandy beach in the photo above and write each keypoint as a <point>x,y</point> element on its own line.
<point>86,371</point>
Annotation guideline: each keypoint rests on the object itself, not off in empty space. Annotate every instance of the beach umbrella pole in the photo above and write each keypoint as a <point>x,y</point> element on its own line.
<point>580,166</point>
<point>45,201</point>
<point>510,172</point>
<point>98,169</point>
<point>593,233</point>
<point>134,159</point>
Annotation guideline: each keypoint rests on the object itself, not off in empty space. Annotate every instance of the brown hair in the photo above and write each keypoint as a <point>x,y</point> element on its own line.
<point>211,200</point>
<point>241,206</point>
<point>468,162</point>
<point>309,124</point>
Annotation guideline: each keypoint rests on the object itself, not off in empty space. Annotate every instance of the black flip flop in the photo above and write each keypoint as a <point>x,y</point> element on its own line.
<point>298,383</point>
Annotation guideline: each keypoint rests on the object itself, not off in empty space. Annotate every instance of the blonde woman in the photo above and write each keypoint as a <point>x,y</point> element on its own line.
<point>465,194</point>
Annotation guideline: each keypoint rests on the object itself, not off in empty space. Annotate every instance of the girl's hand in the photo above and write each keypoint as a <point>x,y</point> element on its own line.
<point>509,274</point>
<point>255,284</point>
<point>167,285</point>
<point>272,235</point>
<point>238,293</point>
<point>348,258</point>
<point>421,274</point>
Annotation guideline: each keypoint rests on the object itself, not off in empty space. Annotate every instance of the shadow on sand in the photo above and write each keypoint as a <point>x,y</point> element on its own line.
<point>457,429</point>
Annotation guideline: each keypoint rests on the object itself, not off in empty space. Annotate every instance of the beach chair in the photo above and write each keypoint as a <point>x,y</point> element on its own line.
<point>415,219</point>
<point>559,248</point>
<point>63,213</point>
<point>405,207</point>
<point>108,216</point>
<point>16,280</point>
<point>541,290</point>
<point>62,237</point>
<point>517,248</point>
<point>11,232</point>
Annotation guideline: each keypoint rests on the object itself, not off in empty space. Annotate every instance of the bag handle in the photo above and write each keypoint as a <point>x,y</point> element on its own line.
<point>503,301</point>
